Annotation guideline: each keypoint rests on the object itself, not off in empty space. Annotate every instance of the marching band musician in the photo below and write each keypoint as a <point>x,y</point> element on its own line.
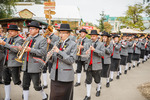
<point>52,38</point>
<point>94,64</point>
<point>2,56</point>
<point>31,67</point>
<point>136,51</point>
<point>62,72</point>
<point>147,48</point>
<point>81,60</point>
<point>124,54</point>
<point>142,41</point>
<point>106,60</point>
<point>130,51</point>
<point>115,57</point>
<point>11,67</point>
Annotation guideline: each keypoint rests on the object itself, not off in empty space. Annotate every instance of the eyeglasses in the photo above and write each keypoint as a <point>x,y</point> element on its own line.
<point>32,28</point>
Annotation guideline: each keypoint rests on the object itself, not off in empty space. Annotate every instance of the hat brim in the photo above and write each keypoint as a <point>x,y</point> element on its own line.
<point>64,30</point>
<point>83,31</point>
<point>106,35</point>
<point>93,34</point>
<point>34,26</point>
<point>13,29</point>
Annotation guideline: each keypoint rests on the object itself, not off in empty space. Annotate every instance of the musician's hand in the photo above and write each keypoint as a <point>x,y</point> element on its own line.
<point>48,41</point>
<point>134,44</point>
<point>87,52</point>
<point>28,49</point>
<point>81,47</point>
<point>20,47</point>
<point>2,42</point>
<point>56,49</point>
<point>92,48</point>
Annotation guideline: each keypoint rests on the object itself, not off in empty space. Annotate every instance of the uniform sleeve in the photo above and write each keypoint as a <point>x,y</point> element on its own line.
<point>100,50</point>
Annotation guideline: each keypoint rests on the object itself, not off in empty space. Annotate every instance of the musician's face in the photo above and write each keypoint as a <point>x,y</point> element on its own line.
<point>12,33</point>
<point>83,34</point>
<point>136,39</point>
<point>116,39</point>
<point>33,31</point>
<point>124,37</point>
<point>64,35</point>
<point>94,37</point>
<point>129,37</point>
<point>105,38</point>
<point>1,30</point>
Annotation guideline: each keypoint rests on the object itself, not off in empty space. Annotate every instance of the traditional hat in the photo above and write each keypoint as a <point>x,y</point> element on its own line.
<point>64,27</point>
<point>129,34</point>
<point>106,34</point>
<point>13,27</point>
<point>124,34</point>
<point>115,35</point>
<point>83,30</point>
<point>34,24</point>
<point>136,36</point>
<point>93,32</point>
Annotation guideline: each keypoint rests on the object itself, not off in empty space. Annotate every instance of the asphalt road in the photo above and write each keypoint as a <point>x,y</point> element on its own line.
<point>123,89</point>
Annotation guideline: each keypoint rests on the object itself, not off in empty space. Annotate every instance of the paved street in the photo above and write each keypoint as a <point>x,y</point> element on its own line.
<point>122,89</point>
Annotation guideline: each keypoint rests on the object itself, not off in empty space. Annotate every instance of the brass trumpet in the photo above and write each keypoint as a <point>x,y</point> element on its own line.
<point>78,50</point>
<point>21,52</point>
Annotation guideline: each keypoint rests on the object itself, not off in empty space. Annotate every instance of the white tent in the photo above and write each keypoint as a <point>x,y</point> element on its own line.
<point>63,13</point>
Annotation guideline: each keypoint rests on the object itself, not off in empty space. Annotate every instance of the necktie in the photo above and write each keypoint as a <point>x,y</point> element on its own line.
<point>28,52</point>
<point>91,60</point>
<point>80,49</point>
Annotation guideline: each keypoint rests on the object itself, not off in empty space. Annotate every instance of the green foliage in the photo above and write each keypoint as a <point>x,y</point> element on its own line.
<point>6,6</point>
<point>147,10</point>
<point>133,18</point>
<point>88,36</point>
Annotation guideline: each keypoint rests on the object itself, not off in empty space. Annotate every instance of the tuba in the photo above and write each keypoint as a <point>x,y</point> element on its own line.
<point>21,52</point>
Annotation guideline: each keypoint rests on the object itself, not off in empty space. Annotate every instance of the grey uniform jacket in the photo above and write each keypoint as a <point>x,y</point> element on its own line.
<point>85,41</point>
<point>148,46</point>
<point>12,51</point>
<point>143,44</point>
<point>137,48</point>
<point>124,48</point>
<point>65,64</point>
<point>53,39</point>
<point>115,48</point>
<point>130,46</point>
<point>107,54</point>
<point>97,54</point>
<point>38,50</point>
<point>73,38</point>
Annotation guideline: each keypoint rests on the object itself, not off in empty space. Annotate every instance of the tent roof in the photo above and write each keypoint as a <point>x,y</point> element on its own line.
<point>65,13</point>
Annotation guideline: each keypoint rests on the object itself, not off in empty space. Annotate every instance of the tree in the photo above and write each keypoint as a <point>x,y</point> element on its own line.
<point>147,10</point>
<point>101,22</point>
<point>107,27</point>
<point>133,18</point>
<point>6,6</point>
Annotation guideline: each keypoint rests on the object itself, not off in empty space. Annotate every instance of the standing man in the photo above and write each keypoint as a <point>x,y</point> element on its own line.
<point>62,73</point>
<point>2,56</point>
<point>11,66</point>
<point>81,60</point>
<point>31,67</point>
<point>94,65</point>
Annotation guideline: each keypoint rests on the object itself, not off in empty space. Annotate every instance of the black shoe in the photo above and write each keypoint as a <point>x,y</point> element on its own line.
<point>45,86</point>
<point>46,97</point>
<point>107,84</point>
<point>87,98</point>
<point>98,93</point>
<point>143,61</point>
<point>129,68</point>
<point>120,73</point>
<point>77,84</point>
<point>125,72</point>
<point>133,66</point>
<point>75,72</point>
<point>110,80</point>
<point>1,82</point>
<point>118,77</point>
<point>138,64</point>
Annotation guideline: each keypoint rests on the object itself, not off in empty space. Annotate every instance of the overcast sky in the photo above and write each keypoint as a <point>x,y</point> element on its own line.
<point>90,9</point>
